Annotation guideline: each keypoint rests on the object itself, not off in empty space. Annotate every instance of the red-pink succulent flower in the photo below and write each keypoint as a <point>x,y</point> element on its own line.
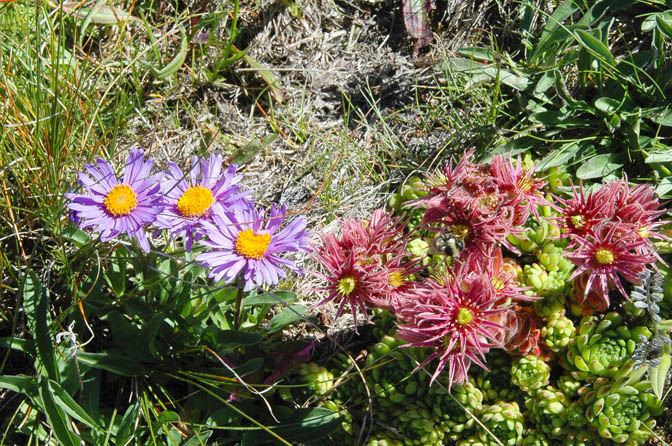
<point>607,251</point>
<point>456,323</point>
<point>518,185</point>
<point>580,214</point>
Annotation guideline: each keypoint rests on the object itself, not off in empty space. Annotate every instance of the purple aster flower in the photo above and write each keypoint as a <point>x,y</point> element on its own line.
<point>115,207</point>
<point>243,241</point>
<point>191,200</point>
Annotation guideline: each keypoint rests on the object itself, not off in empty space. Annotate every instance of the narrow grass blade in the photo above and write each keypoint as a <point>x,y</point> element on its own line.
<point>36,306</point>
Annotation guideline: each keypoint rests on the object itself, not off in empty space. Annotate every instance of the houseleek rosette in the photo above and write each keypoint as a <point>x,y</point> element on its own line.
<point>621,409</point>
<point>495,383</point>
<point>533,437</point>
<point>450,407</point>
<point>601,347</point>
<point>417,424</point>
<point>547,409</point>
<point>558,332</point>
<point>504,421</point>
<point>319,379</point>
<point>530,373</point>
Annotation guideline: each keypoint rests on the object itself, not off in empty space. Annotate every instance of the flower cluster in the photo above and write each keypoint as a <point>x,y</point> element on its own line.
<point>462,309</point>
<point>610,233</point>
<point>481,204</point>
<point>207,205</point>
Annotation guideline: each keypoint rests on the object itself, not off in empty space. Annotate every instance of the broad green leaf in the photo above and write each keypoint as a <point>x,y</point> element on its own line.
<point>171,67</point>
<point>664,26</point>
<point>101,13</point>
<point>651,21</point>
<point>307,424</point>
<point>76,236</point>
<point>254,146</point>
<point>658,374</point>
<point>595,46</point>
<point>232,339</point>
<point>607,105</point>
<point>659,115</point>
<point>167,416</point>
<point>273,298</point>
<point>198,439</point>
<point>598,166</point>
<point>557,119</point>
<point>288,316</point>
<point>112,362</point>
<point>561,13</point>
<point>36,306</point>
<point>479,53</point>
<point>659,157</point>
<point>559,157</point>
<point>127,425</point>
<point>71,407</point>
<point>664,187</point>
<point>26,346</point>
<point>58,420</point>
<point>21,384</point>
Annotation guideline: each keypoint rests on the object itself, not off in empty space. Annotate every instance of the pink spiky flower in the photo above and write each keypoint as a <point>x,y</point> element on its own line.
<point>609,250</point>
<point>456,323</point>
<point>355,261</point>
<point>394,285</point>
<point>518,185</point>
<point>581,213</point>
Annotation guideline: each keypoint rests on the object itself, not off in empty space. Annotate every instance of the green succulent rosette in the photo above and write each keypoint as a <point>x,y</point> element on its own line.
<point>569,385</point>
<point>416,423</point>
<point>602,347</point>
<point>576,416</point>
<point>451,407</point>
<point>495,383</point>
<point>585,437</point>
<point>536,233</point>
<point>319,379</point>
<point>558,332</point>
<point>473,440</point>
<point>383,439</point>
<point>547,409</point>
<point>533,437</point>
<point>552,258</point>
<point>544,282</point>
<point>550,304</point>
<point>530,373</point>
<point>390,374</point>
<point>344,434</point>
<point>622,409</point>
<point>503,421</point>
<point>557,178</point>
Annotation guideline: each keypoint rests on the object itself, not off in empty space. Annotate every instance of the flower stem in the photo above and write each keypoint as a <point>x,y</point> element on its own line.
<point>240,283</point>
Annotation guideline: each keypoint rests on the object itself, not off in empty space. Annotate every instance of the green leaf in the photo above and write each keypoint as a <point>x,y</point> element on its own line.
<point>171,67</point>
<point>658,374</point>
<point>199,439</point>
<point>308,424</point>
<point>598,166</point>
<point>595,46</point>
<point>21,384</point>
<point>127,425</point>
<point>274,298</point>
<point>232,339</point>
<point>479,53</point>
<point>663,25</point>
<point>288,316</point>
<point>71,407</point>
<point>659,115</point>
<point>101,13</point>
<point>607,105</point>
<point>167,416</point>
<point>557,119</point>
<point>254,146</point>
<point>659,157</point>
<point>112,362</point>
<point>664,187</point>
<point>36,306</point>
<point>76,236</point>
<point>559,157</point>
<point>58,420</point>
<point>26,346</point>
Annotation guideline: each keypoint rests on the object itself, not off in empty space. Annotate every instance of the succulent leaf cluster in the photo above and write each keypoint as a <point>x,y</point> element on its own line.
<point>530,373</point>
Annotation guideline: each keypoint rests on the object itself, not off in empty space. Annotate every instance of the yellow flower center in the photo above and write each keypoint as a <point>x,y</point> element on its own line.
<point>121,200</point>
<point>525,183</point>
<point>346,285</point>
<point>251,245</point>
<point>578,221</point>
<point>396,279</point>
<point>195,201</point>
<point>497,283</point>
<point>464,316</point>
<point>461,232</point>
<point>643,232</point>
<point>604,256</point>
